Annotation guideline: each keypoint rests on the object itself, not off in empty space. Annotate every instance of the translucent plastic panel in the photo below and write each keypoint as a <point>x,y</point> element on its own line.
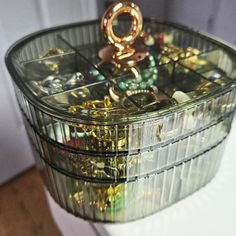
<point>122,202</point>
<point>218,66</point>
<point>128,167</point>
<point>129,138</point>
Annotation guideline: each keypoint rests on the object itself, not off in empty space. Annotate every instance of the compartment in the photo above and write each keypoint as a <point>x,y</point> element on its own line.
<point>217,66</point>
<point>125,201</point>
<point>129,167</point>
<point>190,84</point>
<point>133,137</point>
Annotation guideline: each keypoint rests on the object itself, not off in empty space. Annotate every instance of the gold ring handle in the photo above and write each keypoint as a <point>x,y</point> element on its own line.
<point>115,10</point>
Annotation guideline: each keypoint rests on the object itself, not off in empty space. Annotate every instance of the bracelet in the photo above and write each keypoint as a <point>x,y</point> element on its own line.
<point>140,82</point>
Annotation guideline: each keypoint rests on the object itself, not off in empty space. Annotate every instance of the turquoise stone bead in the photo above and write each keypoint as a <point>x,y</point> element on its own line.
<point>94,72</point>
<point>143,85</point>
<point>133,86</point>
<point>155,77</point>
<point>122,86</point>
<point>148,74</point>
<point>100,78</point>
<point>150,82</point>
<point>153,63</point>
<point>129,81</point>
<point>151,58</point>
<point>139,79</point>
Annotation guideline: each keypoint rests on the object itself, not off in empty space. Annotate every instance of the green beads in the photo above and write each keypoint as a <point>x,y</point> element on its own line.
<point>155,77</point>
<point>150,82</point>
<point>100,78</point>
<point>152,63</point>
<point>142,82</point>
<point>143,85</point>
<point>95,73</point>
<point>133,86</point>
<point>139,79</point>
<point>122,86</point>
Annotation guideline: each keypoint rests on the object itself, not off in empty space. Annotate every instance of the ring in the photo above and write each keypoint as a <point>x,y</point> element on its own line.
<point>122,43</point>
<point>113,95</point>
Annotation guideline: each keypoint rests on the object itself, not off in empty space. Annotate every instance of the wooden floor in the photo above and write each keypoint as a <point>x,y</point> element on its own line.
<point>23,208</point>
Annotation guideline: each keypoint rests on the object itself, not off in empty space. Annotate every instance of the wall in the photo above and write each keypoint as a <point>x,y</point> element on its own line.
<point>18,18</point>
<point>157,8</point>
<point>213,16</point>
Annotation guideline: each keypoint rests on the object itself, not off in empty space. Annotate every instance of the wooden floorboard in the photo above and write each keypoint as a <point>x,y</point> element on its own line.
<point>23,208</point>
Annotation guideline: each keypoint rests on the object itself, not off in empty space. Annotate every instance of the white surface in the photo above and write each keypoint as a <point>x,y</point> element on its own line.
<point>18,18</point>
<point>210,211</point>
<point>213,16</point>
<point>67,223</point>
